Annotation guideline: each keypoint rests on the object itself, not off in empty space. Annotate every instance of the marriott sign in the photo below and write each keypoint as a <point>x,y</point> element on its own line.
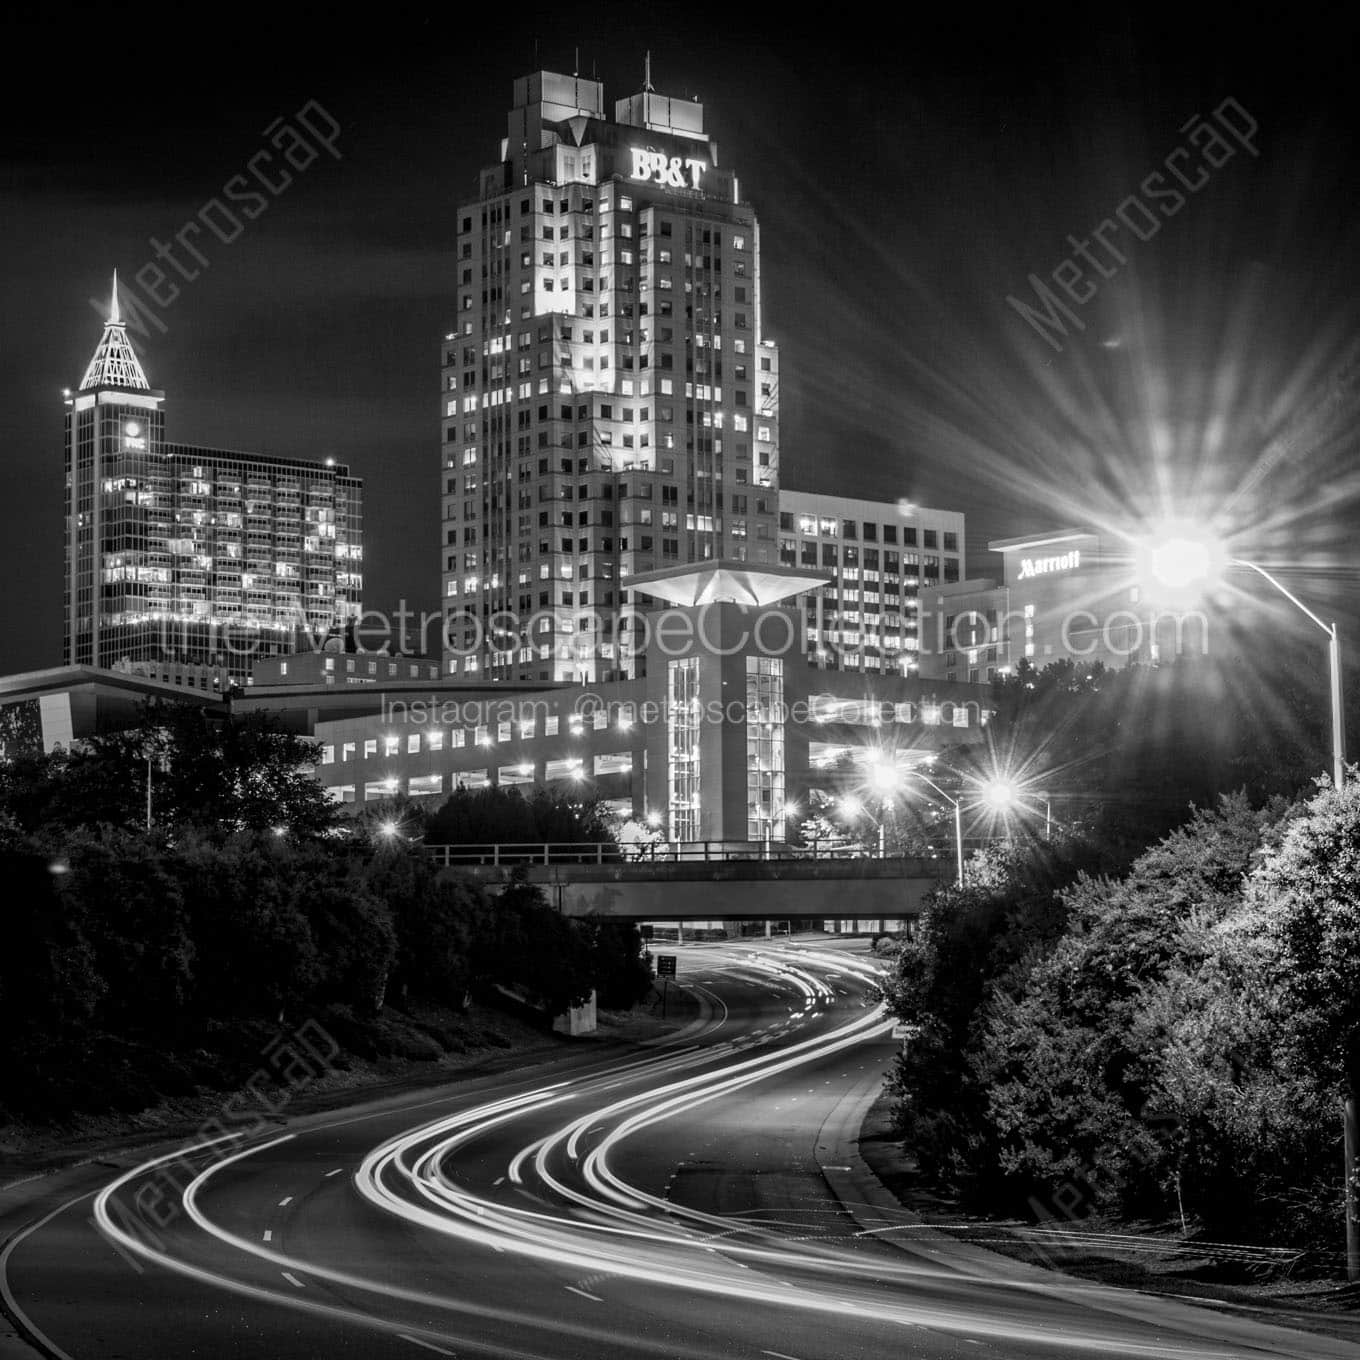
<point>1044,566</point>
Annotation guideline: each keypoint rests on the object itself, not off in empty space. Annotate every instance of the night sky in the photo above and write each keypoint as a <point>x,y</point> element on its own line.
<point>908,179</point>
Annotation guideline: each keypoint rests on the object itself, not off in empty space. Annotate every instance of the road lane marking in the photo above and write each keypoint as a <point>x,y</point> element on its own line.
<point>336,1172</point>
<point>293,1280</point>
<point>780,1355</point>
<point>268,1234</point>
<point>429,1345</point>
<point>8,1295</point>
<point>594,1298</point>
<point>500,1180</point>
<point>287,1199</point>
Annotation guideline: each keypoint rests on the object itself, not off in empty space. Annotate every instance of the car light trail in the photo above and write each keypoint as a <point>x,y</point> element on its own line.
<point>591,1222</point>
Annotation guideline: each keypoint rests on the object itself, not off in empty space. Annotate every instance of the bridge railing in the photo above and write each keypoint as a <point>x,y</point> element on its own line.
<point>509,854</point>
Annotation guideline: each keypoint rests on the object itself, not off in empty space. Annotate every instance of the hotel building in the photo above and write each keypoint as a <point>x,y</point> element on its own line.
<point>188,564</point>
<point>610,402</point>
<point>1073,594</point>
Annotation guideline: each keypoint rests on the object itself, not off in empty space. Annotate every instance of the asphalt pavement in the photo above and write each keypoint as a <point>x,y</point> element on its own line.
<point>697,1197</point>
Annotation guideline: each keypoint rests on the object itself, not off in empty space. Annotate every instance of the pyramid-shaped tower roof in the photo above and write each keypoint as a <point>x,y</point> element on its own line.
<point>115,362</point>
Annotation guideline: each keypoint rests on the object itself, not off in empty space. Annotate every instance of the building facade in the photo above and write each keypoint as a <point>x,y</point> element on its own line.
<point>190,563</point>
<point>723,738</point>
<point>610,401</point>
<point>1069,595</point>
<point>967,633</point>
<point>882,558</point>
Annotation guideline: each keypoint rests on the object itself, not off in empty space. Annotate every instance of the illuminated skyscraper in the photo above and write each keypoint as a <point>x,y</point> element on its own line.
<point>610,401</point>
<point>191,563</point>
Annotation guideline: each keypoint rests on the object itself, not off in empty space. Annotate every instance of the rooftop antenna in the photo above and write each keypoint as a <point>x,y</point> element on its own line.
<point>647,73</point>
<point>576,70</point>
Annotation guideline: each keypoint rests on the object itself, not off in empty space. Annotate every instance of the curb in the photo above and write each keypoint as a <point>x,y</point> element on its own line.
<point>875,1209</point>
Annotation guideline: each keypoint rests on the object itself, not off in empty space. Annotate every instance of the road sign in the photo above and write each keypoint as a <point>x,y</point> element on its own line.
<point>646,931</point>
<point>665,965</point>
<point>903,1030</point>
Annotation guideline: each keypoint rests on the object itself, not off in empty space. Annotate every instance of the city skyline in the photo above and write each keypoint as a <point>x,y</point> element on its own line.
<point>906,373</point>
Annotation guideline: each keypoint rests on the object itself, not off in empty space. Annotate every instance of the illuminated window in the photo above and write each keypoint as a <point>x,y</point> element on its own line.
<point>683,729</point>
<point>765,748</point>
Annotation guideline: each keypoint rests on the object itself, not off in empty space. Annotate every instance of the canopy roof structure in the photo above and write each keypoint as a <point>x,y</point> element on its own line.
<point>724,582</point>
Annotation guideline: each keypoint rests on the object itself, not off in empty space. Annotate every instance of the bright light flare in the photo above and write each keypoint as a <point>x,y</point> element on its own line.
<point>884,778</point>
<point>1181,557</point>
<point>1000,794</point>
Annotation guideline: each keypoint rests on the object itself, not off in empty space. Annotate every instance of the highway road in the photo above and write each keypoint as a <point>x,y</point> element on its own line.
<point>700,1197</point>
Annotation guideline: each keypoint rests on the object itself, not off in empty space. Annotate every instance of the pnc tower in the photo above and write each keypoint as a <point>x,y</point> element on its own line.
<point>190,564</point>
<point>610,402</point>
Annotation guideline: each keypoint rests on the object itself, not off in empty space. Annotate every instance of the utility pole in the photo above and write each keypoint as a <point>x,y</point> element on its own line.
<point>1348,1122</point>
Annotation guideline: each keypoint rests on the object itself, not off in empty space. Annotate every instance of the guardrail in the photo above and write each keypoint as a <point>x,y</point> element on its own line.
<point>607,852</point>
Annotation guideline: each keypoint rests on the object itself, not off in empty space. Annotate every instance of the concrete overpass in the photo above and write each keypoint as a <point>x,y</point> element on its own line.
<point>695,884</point>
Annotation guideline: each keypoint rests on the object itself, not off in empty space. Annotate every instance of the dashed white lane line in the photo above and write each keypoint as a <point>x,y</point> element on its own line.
<point>500,1180</point>
<point>780,1355</point>
<point>287,1199</point>
<point>268,1234</point>
<point>293,1280</point>
<point>336,1172</point>
<point>594,1298</point>
<point>429,1345</point>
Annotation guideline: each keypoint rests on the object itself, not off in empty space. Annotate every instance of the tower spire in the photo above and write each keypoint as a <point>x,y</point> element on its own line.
<point>647,72</point>
<point>115,362</point>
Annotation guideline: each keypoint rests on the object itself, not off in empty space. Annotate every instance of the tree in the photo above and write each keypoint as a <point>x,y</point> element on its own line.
<point>967,937</point>
<point>1309,890</point>
<point>257,954</point>
<point>49,983</point>
<point>530,947</point>
<point>1072,1048</point>
<point>436,919</point>
<point>20,730</point>
<point>238,774</point>
<point>619,967</point>
<point>123,885</point>
<point>492,816</point>
<point>218,775</point>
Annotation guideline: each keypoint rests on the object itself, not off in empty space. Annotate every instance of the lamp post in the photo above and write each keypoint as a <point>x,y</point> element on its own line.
<point>854,807</point>
<point>1001,795</point>
<point>1180,561</point>
<point>958,821</point>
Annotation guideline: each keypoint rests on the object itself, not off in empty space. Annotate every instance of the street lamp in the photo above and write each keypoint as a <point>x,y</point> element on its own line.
<point>1182,560</point>
<point>1001,795</point>
<point>852,807</point>
<point>958,819</point>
